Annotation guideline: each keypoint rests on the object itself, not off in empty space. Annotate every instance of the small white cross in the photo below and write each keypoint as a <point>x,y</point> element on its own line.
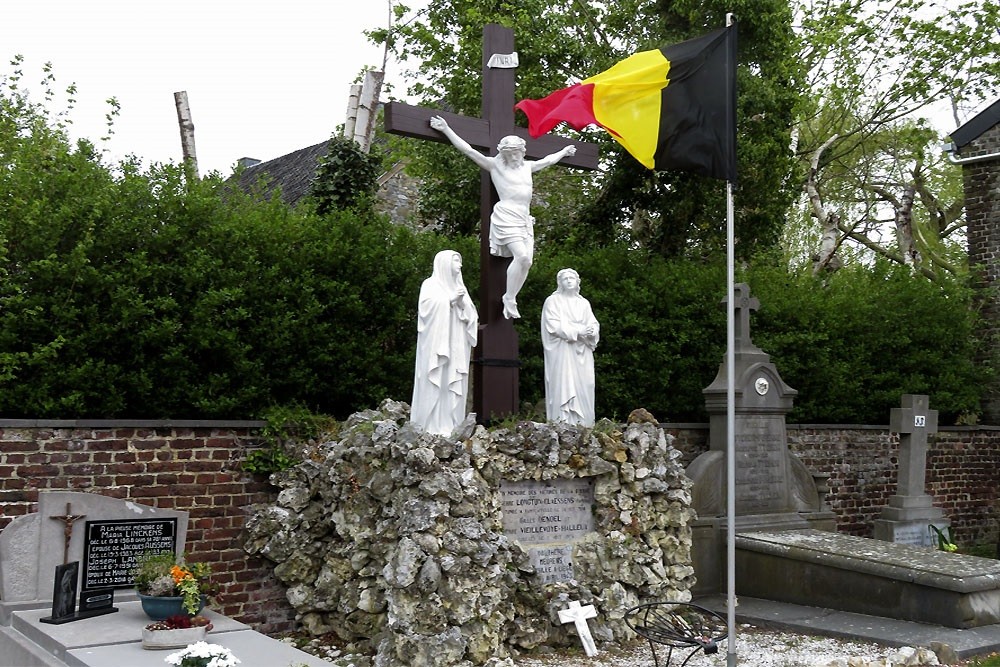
<point>578,615</point>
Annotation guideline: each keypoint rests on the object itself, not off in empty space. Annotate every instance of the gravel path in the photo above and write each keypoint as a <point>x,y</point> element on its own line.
<point>756,647</point>
<point>760,648</point>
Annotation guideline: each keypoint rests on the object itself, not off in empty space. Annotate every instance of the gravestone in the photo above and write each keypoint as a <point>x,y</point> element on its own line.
<point>546,518</point>
<point>104,535</point>
<point>910,512</point>
<point>774,490</point>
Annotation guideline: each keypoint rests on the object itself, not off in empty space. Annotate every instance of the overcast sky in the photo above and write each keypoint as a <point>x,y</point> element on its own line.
<point>263,79</point>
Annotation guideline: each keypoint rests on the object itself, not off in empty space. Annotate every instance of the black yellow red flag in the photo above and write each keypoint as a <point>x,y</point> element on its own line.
<point>671,108</point>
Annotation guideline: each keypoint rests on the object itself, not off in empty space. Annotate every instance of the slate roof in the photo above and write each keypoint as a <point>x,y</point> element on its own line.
<point>292,173</point>
<point>976,126</point>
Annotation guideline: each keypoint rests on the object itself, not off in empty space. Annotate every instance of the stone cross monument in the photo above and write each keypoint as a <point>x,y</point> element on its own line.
<point>910,511</point>
<point>495,365</point>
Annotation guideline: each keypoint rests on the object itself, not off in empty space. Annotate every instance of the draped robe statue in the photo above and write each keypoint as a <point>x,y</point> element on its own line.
<point>570,332</point>
<point>447,322</point>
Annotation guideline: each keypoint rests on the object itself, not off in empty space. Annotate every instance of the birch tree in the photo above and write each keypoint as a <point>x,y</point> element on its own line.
<point>876,179</point>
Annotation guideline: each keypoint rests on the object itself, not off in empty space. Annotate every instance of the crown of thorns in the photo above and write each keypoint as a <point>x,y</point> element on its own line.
<point>511,142</point>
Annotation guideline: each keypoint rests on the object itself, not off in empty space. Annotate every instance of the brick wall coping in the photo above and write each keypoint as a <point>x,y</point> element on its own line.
<point>131,423</point>
<point>252,423</point>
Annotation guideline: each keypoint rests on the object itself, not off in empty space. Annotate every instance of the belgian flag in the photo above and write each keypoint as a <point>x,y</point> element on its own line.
<point>671,108</point>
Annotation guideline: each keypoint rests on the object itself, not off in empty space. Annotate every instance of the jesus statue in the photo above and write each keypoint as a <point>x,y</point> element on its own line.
<point>512,232</point>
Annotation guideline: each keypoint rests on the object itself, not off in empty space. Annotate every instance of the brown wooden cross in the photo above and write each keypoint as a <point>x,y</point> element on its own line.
<point>496,365</point>
<point>68,519</point>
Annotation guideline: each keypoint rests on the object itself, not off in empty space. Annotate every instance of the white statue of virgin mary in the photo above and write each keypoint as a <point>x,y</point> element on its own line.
<point>447,323</point>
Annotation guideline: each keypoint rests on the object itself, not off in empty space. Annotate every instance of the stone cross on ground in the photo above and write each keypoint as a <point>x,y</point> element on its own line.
<point>914,421</point>
<point>578,615</point>
<point>69,519</point>
<point>495,370</point>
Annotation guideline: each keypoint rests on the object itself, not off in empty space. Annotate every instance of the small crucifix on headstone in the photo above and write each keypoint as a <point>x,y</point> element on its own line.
<point>68,519</point>
<point>914,421</point>
<point>578,616</point>
<point>495,369</point>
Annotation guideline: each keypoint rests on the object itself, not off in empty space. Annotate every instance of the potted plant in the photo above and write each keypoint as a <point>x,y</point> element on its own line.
<point>168,586</point>
<point>175,632</point>
<point>201,654</point>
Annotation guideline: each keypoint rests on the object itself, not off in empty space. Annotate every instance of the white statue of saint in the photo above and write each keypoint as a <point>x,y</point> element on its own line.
<point>512,232</point>
<point>570,332</point>
<point>447,323</point>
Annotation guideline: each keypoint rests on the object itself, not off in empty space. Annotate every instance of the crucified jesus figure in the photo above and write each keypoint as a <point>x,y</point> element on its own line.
<point>512,232</point>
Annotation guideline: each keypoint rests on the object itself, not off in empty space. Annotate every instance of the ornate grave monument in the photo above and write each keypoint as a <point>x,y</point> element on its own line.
<point>774,490</point>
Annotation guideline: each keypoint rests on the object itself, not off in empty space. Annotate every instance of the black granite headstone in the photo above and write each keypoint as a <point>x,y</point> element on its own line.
<point>111,548</point>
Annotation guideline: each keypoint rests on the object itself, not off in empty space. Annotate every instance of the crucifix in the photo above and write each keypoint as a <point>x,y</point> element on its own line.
<point>68,519</point>
<point>496,365</point>
<point>578,616</point>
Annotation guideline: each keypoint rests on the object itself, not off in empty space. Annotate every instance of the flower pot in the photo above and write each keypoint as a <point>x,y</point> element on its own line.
<point>178,638</point>
<point>159,608</point>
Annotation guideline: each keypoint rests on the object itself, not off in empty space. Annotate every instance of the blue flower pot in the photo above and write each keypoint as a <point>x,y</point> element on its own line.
<point>160,608</point>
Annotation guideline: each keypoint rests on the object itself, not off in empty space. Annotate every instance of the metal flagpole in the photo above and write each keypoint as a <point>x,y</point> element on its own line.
<point>731,657</point>
<point>730,433</point>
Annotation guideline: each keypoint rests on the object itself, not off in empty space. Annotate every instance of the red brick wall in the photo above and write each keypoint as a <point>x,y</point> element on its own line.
<point>189,466</point>
<point>195,467</point>
<point>963,472</point>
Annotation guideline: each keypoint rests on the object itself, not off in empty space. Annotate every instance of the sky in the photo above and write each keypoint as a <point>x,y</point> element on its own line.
<point>263,79</point>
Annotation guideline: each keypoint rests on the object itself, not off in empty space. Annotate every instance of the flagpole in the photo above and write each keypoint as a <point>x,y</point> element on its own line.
<point>731,656</point>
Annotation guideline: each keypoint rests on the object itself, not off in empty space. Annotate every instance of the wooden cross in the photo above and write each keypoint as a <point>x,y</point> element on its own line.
<point>914,421</point>
<point>68,519</point>
<point>495,370</point>
<point>578,616</point>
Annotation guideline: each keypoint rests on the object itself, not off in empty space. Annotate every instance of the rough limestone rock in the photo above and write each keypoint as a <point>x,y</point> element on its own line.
<point>392,538</point>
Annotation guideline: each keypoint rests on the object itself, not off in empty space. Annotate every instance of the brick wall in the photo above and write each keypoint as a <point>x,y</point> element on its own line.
<point>981,182</point>
<point>192,467</point>
<point>962,477</point>
<point>195,467</point>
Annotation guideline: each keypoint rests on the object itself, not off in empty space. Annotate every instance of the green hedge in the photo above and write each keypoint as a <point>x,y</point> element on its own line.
<point>129,293</point>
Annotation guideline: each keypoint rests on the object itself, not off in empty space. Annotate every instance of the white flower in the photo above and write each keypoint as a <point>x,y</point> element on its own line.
<point>208,655</point>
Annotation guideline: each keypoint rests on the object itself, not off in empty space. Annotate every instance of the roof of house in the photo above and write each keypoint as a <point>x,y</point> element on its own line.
<point>976,126</point>
<point>292,174</point>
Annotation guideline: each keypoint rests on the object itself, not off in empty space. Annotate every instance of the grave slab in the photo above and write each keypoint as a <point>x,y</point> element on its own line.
<point>115,640</point>
<point>867,576</point>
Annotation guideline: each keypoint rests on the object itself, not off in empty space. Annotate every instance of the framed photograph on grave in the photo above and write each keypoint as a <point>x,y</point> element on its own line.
<point>64,587</point>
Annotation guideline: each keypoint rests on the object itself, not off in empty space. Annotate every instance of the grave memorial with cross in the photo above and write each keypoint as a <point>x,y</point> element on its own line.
<point>910,511</point>
<point>496,364</point>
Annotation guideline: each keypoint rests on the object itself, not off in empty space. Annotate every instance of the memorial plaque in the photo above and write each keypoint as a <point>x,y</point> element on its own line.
<point>916,534</point>
<point>111,548</point>
<point>552,564</point>
<point>761,465</point>
<point>546,518</point>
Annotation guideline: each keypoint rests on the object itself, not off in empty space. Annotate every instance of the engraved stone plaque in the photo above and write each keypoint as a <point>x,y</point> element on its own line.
<point>546,518</point>
<point>761,464</point>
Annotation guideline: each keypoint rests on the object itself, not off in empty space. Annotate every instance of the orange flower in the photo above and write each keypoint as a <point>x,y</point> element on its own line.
<point>179,574</point>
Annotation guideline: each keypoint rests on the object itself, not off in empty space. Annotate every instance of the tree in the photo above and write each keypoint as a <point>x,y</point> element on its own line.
<point>345,177</point>
<point>874,176</point>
